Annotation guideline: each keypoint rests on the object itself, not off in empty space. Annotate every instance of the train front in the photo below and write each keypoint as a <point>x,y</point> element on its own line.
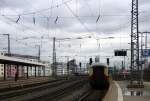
<point>98,76</point>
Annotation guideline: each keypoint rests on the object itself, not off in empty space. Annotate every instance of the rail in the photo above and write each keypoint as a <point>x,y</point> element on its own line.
<point>84,96</point>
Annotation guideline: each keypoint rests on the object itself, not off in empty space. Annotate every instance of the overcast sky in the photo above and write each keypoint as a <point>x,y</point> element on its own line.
<point>36,22</point>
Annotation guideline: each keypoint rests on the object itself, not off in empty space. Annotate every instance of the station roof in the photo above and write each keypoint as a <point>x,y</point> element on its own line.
<point>17,61</point>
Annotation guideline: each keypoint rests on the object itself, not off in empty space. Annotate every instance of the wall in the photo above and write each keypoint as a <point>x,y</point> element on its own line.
<point>1,71</point>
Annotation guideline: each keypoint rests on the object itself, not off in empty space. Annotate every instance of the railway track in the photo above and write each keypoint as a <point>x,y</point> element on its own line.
<point>41,92</point>
<point>92,95</point>
<point>62,91</point>
<point>10,86</point>
<point>85,95</point>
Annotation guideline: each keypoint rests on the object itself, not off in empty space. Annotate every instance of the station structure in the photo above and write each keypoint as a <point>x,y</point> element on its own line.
<point>11,67</point>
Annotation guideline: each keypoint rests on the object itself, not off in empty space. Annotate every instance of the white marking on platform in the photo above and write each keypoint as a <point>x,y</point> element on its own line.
<point>120,96</point>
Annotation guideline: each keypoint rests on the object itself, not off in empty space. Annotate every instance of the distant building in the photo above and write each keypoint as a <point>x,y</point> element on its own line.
<point>61,68</point>
<point>97,59</point>
<point>48,71</point>
<point>3,54</point>
<point>22,70</point>
<point>72,66</point>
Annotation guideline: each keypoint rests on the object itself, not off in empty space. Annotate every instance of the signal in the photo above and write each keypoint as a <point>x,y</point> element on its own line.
<point>90,61</point>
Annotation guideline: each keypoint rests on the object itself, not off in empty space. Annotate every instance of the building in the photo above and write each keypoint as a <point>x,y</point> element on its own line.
<point>61,69</point>
<point>24,71</point>
<point>72,66</point>
<point>97,60</point>
<point>48,70</point>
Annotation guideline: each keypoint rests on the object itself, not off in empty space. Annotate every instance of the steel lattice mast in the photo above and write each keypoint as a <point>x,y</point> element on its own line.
<point>134,43</point>
<point>54,58</point>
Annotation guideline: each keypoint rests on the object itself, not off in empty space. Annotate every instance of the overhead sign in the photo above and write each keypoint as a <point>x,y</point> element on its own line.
<point>107,61</point>
<point>146,52</point>
<point>120,53</point>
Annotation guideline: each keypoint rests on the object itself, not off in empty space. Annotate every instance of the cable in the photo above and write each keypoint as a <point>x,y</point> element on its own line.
<point>25,44</point>
<point>78,18</point>
<point>8,5</point>
<point>25,26</point>
<point>42,10</point>
<point>90,9</point>
<point>63,17</point>
<point>51,7</point>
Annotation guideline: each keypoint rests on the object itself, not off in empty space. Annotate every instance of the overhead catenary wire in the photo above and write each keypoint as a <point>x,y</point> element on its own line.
<point>95,16</point>
<point>56,6</point>
<point>34,18</point>
<point>90,9</point>
<point>18,19</point>
<point>21,47</point>
<point>78,19</point>
<point>14,22</point>
<point>98,12</point>
<point>79,16</point>
<point>24,26</point>
<point>60,16</point>
<point>66,17</point>
<point>63,38</point>
<point>52,7</point>
<point>42,10</point>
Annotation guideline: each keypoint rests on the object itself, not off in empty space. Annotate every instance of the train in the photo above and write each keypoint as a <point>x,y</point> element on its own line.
<point>98,76</point>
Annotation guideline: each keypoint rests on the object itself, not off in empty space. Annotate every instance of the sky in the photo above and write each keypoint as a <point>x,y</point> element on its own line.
<point>89,25</point>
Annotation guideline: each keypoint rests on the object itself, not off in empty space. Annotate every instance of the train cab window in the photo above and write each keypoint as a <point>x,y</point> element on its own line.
<point>99,68</point>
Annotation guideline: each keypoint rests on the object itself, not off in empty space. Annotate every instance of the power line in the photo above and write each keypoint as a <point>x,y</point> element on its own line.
<point>43,10</point>
<point>85,16</point>
<point>78,18</point>
<point>24,26</point>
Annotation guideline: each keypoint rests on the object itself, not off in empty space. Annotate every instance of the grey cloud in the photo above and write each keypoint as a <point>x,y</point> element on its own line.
<point>14,4</point>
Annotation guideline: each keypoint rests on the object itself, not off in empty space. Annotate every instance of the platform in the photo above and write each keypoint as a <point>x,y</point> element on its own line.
<point>118,91</point>
<point>135,94</point>
<point>112,93</point>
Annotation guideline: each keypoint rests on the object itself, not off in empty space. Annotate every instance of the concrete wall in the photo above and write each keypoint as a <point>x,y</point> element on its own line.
<point>12,69</point>
<point>1,71</point>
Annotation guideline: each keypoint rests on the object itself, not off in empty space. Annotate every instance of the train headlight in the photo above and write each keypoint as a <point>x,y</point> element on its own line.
<point>106,71</point>
<point>90,71</point>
